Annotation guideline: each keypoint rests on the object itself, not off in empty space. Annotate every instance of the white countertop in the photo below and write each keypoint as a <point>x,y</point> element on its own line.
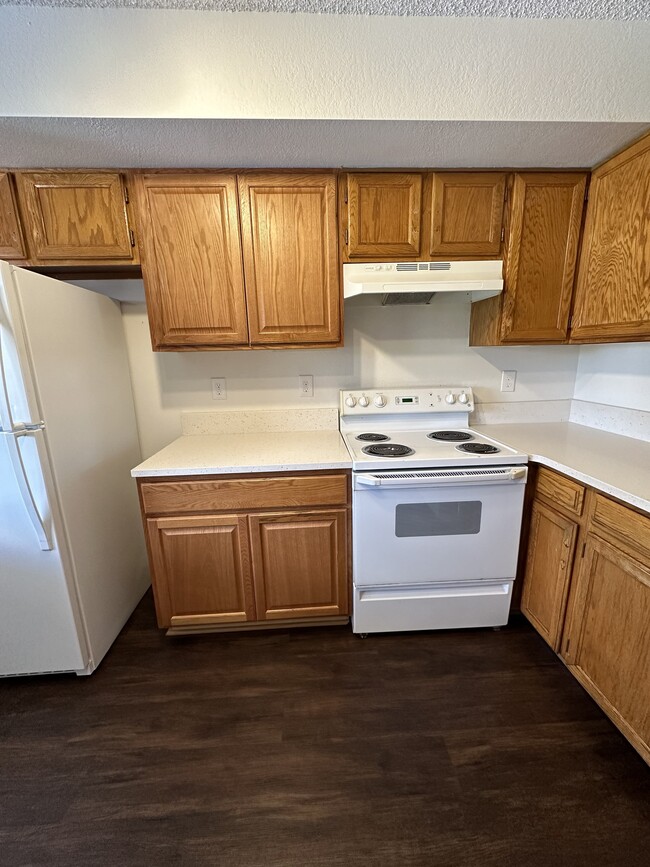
<point>213,454</point>
<point>611,463</point>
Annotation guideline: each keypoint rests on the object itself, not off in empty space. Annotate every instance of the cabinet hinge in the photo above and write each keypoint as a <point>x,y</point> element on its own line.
<point>346,237</point>
<point>345,199</point>
<point>503,233</point>
<point>567,645</point>
<point>587,195</point>
<point>570,322</point>
<point>582,553</point>
<point>505,193</point>
<point>132,237</point>
<point>126,195</point>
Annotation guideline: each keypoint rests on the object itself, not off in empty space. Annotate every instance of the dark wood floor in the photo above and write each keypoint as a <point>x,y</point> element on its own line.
<point>288,749</point>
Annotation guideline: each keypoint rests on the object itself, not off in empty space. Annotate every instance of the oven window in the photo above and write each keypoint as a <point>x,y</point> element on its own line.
<point>438,519</point>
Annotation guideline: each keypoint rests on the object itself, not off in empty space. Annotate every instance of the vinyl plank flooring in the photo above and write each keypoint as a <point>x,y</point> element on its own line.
<point>314,747</point>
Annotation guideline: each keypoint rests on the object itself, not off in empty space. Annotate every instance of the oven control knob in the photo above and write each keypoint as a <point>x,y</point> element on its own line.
<point>380,400</point>
<point>450,398</point>
<point>350,400</point>
<point>363,400</point>
<point>463,398</point>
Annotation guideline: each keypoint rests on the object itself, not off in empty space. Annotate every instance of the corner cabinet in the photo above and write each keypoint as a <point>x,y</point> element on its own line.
<point>240,261</point>
<point>613,291</point>
<point>242,551</point>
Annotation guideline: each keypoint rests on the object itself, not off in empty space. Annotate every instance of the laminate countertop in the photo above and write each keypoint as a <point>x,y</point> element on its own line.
<point>614,464</point>
<point>215,454</point>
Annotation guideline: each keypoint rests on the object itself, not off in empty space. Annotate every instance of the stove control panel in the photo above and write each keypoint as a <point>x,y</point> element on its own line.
<point>402,401</point>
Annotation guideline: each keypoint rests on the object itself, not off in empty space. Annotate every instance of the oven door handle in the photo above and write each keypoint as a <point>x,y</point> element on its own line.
<point>435,478</point>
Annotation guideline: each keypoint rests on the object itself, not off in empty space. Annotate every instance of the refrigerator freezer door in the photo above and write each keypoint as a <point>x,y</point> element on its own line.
<point>38,629</point>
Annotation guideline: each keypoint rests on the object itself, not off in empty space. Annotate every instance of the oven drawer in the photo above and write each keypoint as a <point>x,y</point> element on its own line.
<point>442,606</point>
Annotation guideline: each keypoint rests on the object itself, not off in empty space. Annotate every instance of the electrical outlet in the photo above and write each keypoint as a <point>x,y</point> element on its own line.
<point>219,388</point>
<point>508,380</point>
<point>306,381</point>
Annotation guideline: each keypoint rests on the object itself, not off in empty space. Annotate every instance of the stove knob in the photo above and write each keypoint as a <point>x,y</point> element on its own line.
<point>463,398</point>
<point>450,398</point>
<point>380,400</point>
<point>363,400</point>
<point>350,401</point>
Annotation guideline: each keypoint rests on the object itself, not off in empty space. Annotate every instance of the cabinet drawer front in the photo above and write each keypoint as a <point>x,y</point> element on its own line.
<point>628,527</point>
<point>168,498</point>
<point>560,491</point>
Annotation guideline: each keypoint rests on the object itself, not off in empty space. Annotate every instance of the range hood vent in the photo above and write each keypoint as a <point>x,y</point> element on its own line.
<point>417,282</point>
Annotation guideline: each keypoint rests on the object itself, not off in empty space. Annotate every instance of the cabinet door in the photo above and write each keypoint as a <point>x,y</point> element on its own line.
<point>11,237</point>
<point>466,213</point>
<point>201,570</point>
<point>78,217</point>
<point>300,564</point>
<point>607,643</point>
<point>290,257</point>
<point>191,260</point>
<point>384,215</point>
<point>613,290</point>
<point>551,546</point>
<point>543,236</point>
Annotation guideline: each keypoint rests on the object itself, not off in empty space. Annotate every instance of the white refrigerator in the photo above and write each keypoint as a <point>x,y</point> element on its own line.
<point>72,557</point>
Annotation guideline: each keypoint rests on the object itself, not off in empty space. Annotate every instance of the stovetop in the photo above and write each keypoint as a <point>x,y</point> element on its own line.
<point>417,428</point>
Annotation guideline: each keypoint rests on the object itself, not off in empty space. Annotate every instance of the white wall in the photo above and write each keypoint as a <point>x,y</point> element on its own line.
<point>168,63</point>
<point>615,374</point>
<point>389,346</point>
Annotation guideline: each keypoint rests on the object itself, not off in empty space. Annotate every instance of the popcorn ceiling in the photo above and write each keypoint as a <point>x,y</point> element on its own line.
<point>585,9</point>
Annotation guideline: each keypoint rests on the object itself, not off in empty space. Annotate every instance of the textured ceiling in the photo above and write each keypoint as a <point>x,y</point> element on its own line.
<point>586,9</point>
<point>195,143</point>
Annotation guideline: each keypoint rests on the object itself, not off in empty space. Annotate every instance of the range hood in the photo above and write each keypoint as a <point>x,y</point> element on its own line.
<point>418,282</point>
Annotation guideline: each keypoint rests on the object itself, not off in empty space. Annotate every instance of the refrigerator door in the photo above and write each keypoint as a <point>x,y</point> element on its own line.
<point>38,625</point>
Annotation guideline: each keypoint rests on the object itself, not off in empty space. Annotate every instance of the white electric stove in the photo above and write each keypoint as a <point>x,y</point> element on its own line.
<point>436,511</point>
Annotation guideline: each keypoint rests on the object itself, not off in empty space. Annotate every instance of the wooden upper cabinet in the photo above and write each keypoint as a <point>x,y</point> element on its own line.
<point>191,259</point>
<point>76,217</point>
<point>300,564</point>
<point>12,245</point>
<point>466,213</point>
<point>290,257</point>
<point>201,570</point>
<point>382,215</point>
<point>613,289</point>
<point>544,232</point>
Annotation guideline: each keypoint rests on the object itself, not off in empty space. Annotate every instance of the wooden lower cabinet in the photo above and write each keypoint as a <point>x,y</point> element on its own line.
<point>596,615</point>
<point>551,546</point>
<point>218,570</point>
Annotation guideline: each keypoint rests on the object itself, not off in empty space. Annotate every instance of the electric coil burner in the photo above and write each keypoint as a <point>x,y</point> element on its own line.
<point>436,511</point>
<point>478,449</point>
<point>372,437</point>
<point>450,436</point>
<point>388,450</point>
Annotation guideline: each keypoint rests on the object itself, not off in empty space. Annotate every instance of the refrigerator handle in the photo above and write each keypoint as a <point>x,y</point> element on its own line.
<point>5,413</point>
<point>44,536</point>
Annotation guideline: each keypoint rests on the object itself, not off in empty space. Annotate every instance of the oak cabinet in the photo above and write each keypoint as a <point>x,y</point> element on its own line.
<point>382,215</point>
<point>466,213</point>
<point>542,243</point>
<point>613,289</point>
<point>76,218</point>
<point>240,262</point>
<point>220,558</point>
<point>289,231</point>
<point>12,245</point>
<point>191,259</point>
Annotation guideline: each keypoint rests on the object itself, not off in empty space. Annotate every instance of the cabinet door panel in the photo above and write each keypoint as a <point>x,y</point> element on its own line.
<point>613,289</point>
<point>201,570</point>
<point>11,238</point>
<point>300,564</point>
<point>607,644</point>
<point>466,213</point>
<point>551,547</point>
<point>384,215</point>
<point>544,231</point>
<point>75,216</point>
<point>191,260</point>
<point>290,258</point>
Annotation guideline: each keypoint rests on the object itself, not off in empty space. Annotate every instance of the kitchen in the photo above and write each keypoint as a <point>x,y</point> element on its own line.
<point>383,348</point>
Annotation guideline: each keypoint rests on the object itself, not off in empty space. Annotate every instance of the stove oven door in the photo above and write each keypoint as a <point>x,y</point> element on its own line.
<point>436,527</point>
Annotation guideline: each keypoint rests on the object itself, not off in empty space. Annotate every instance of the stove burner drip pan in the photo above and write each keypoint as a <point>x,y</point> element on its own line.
<point>388,450</point>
